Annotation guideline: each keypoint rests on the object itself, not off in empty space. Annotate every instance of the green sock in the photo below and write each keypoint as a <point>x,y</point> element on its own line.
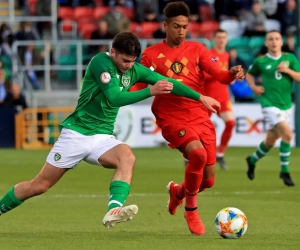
<point>285,152</point>
<point>9,201</point>
<point>260,152</point>
<point>119,191</point>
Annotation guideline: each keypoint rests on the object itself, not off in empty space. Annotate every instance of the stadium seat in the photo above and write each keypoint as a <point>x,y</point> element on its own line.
<point>148,29</point>
<point>129,12</point>
<point>135,28</point>
<point>65,12</point>
<point>99,12</point>
<point>233,28</point>
<point>246,56</point>
<point>272,24</point>
<point>194,29</point>
<point>83,12</point>
<point>66,75</point>
<point>208,28</point>
<point>238,43</point>
<point>256,42</point>
<point>205,13</point>
<point>86,21</point>
<point>87,30</point>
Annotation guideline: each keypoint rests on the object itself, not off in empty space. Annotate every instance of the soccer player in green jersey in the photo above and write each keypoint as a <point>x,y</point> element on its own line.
<point>278,71</point>
<point>87,133</point>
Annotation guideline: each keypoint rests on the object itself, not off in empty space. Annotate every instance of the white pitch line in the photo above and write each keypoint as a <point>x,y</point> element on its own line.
<point>166,194</point>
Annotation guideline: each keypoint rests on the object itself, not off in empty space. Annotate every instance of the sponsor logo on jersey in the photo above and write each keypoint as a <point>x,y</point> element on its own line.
<point>161,55</point>
<point>57,157</point>
<point>214,59</point>
<point>125,80</point>
<point>177,67</point>
<point>105,77</point>
<point>268,66</point>
<point>181,133</point>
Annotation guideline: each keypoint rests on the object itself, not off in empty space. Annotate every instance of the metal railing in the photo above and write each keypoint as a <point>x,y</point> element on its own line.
<point>59,46</point>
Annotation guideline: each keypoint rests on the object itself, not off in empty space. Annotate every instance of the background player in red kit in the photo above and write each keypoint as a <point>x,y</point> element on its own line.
<point>186,124</point>
<point>220,92</point>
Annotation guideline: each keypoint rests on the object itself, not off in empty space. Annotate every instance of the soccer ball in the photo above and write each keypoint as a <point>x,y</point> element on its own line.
<point>231,223</point>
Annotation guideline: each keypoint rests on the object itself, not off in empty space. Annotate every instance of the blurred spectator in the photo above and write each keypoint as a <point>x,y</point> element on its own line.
<point>160,33</point>
<point>269,7</point>
<point>116,20</point>
<point>144,6</point>
<point>25,33</point>
<point>150,16</point>
<point>124,3</point>
<point>255,21</point>
<point>242,91</point>
<point>225,9</point>
<point>288,17</point>
<point>99,34</point>
<point>3,91</point>
<point>30,57</point>
<point>43,8</point>
<point>6,39</point>
<point>234,60</point>
<point>14,98</point>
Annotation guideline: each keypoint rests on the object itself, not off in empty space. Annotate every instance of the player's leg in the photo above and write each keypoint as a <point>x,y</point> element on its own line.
<point>227,116</point>
<point>263,148</point>
<point>113,154</point>
<point>286,133</point>
<point>48,176</point>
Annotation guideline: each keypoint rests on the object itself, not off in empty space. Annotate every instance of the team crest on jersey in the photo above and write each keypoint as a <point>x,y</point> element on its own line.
<point>57,157</point>
<point>125,80</point>
<point>177,67</point>
<point>285,63</point>
<point>181,133</point>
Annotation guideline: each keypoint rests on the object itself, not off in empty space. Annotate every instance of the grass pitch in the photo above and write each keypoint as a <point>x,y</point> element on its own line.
<point>69,216</point>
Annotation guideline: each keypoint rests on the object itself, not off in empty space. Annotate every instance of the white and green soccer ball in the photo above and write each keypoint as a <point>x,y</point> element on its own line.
<point>231,223</point>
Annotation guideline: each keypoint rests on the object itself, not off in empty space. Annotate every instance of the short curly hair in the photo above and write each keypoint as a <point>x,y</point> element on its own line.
<point>175,9</point>
<point>127,43</point>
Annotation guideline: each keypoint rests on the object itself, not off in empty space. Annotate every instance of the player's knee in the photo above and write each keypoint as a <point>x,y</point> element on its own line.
<point>287,137</point>
<point>230,124</point>
<point>198,155</point>
<point>128,159</point>
<point>208,183</point>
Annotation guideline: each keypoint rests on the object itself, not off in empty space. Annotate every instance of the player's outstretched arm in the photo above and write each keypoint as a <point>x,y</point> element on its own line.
<point>258,90</point>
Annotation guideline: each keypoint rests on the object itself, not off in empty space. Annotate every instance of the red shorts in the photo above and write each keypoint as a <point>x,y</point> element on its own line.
<point>225,107</point>
<point>182,134</point>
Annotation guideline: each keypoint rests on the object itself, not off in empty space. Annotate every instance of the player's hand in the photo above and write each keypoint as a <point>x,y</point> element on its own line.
<point>161,87</point>
<point>283,68</point>
<point>258,90</point>
<point>210,103</point>
<point>237,72</point>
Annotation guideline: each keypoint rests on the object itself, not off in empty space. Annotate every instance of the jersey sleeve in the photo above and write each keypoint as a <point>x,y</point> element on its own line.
<point>104,73</point>
<point>254,68</point>
<point>295,63</point>
<point>151,77</point>
<point>210,65</point>
<point>145,62</point>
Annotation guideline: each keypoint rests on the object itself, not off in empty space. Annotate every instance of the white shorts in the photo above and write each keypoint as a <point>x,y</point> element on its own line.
<point>274,115</point>
<point>72,147</point>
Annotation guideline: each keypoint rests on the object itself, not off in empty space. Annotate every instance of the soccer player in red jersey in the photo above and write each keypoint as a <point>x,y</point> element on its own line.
<point>220,92</point>
<point>186,124</point>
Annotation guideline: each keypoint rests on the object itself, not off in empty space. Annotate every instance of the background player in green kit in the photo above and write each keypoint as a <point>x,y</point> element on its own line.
<point>87,132</point>
<point>278,71</point>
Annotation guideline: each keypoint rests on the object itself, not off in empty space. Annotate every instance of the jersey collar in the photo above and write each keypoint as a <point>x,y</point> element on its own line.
<point>274,58</point>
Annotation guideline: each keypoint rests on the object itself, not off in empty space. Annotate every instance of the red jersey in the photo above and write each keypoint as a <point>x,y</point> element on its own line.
<point>186,64</point>
<point>214,88</point>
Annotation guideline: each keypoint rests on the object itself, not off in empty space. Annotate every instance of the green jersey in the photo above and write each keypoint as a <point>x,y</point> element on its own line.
<point>278,86</point>
<point>105,89</point>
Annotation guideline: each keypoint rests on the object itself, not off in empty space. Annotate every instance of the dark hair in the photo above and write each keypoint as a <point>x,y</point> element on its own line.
<point>219,31</point>
<point>127,43</point>
<point>174,9</point>
<point>273,31</point>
